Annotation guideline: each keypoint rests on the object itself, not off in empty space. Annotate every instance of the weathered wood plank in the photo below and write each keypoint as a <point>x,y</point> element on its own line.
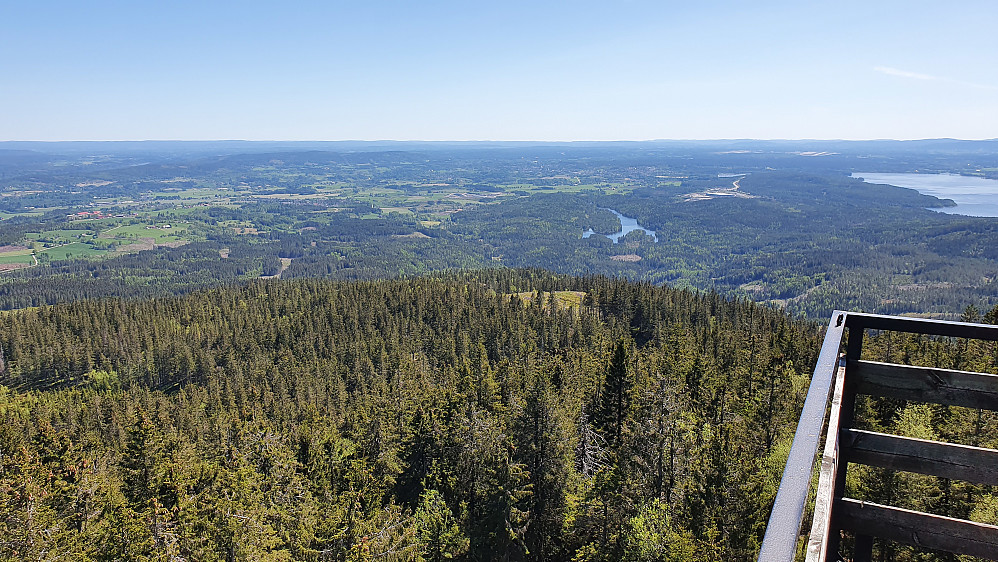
<point>925,384</point>
<point>922,326</point>
<point>821,523</point>
<point>948,460</point>
<point>923,530</point>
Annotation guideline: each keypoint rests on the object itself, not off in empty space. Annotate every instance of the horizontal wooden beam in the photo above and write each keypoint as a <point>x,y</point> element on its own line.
<point>856,320</point>
<point>924,384</point>
<point>948,460</point>
<point>923,530</point>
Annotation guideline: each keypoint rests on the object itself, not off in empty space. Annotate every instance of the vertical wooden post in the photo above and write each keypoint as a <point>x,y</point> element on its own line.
<point>864,549</point>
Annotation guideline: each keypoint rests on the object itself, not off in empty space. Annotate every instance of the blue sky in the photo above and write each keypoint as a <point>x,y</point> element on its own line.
<point>368,70</point>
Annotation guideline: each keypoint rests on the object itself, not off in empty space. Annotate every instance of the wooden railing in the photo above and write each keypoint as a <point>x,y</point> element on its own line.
<point>836,382</point>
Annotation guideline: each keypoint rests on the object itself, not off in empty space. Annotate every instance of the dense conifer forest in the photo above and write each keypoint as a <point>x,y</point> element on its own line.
<point>502,414</point>
<point>496,415</point>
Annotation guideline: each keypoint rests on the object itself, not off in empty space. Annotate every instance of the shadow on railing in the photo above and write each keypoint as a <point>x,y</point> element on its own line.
<point>836,382</point>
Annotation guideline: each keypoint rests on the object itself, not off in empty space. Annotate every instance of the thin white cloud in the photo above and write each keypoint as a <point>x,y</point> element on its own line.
<point>919,76</point>
<point>973,84</point>
<point>904,73</point>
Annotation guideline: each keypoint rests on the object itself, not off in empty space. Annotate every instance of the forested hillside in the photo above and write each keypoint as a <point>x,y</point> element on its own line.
<point>497,415</point>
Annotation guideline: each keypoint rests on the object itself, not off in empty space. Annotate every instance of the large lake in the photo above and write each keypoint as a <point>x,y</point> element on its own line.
<point>627,225</point>
<point>975,197</point>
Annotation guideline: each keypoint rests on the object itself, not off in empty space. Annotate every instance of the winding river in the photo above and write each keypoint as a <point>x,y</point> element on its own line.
<point>627,225</point>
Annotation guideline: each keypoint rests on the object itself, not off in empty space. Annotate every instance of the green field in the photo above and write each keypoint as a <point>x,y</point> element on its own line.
<point>191,194</point>
<point>136,231</point>
<point>16,257</point>
<point>74,250</point>
<point>60,236</point>
<point>561,299</point>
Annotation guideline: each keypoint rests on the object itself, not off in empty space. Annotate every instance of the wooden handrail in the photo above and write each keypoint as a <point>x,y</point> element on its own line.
<point>783,529</point>
<point>925,326</point>
<point>844,444</point>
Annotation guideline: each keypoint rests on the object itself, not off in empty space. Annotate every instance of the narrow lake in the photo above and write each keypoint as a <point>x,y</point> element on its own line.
<point>627,225</point>
<point>975,197</point>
